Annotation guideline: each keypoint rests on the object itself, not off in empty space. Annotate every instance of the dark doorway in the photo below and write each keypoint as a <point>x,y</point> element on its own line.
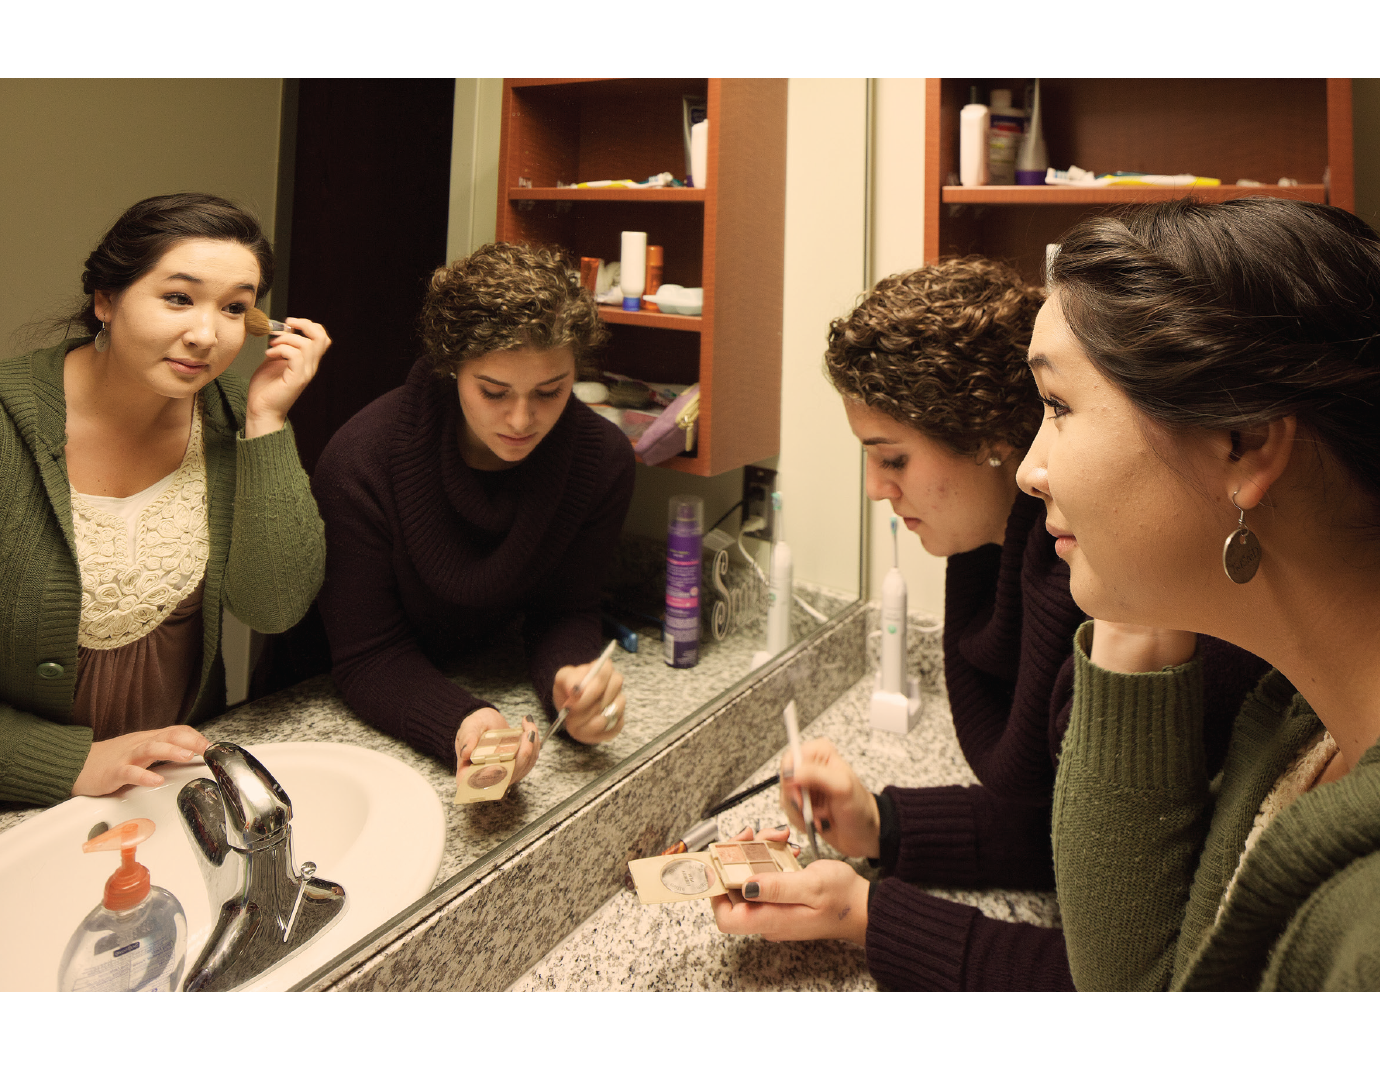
<point>367,175</point>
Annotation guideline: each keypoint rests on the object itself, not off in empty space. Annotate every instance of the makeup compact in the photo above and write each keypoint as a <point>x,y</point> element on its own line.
<point>665,879</point>
<point>491,769</point>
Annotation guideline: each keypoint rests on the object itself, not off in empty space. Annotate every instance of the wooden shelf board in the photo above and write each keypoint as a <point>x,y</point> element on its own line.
<point>670,321</point>
<point>1072,195</point>
<point>605,193</point>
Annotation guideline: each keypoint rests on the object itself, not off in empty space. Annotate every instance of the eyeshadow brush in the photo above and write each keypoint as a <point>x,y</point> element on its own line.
<point>561,715</point>
<point>806,808</point>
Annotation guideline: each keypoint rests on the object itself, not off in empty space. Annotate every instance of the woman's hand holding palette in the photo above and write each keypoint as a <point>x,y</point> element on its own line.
<point>491,767</point>
<point>665,879</point>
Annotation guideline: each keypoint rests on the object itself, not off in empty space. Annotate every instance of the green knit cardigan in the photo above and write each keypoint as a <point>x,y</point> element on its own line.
<point>1144,847</point>
<point>267,558</point>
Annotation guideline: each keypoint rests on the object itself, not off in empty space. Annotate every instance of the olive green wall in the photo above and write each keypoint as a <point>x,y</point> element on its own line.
<point>79,151</point>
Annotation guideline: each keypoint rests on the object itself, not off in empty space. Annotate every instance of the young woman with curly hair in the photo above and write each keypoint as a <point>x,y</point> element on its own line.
<point>480,490</point>
<point>931,367</point>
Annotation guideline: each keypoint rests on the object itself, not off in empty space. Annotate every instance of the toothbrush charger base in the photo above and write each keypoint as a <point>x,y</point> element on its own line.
<point>893,712</point>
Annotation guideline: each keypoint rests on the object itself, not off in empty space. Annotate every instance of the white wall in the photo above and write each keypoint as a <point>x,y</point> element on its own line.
<point>898,226</point>
<point>474,143</point>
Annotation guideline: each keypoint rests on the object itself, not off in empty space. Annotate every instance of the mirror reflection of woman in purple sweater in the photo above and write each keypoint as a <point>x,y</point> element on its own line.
<point>931,367</point>
<point>478,491</point>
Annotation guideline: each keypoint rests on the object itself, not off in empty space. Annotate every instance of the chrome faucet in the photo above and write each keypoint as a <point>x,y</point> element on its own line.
<point>268,911</point>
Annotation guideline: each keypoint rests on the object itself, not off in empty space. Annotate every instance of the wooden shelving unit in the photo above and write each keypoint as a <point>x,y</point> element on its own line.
<point>1262,129</point>
<point>728,238</point>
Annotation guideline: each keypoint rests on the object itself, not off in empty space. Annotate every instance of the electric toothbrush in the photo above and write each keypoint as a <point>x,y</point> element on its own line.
<point>896,697</point>
<point>781,587</point>
<point>894,622</point>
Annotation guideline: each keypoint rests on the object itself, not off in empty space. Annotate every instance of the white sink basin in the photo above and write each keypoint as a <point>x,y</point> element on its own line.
<point>368,822</point>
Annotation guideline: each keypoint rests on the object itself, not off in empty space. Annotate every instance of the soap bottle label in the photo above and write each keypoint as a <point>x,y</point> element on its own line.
<point>124,969</point>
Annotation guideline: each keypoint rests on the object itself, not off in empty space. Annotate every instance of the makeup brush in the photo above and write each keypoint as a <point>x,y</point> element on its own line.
<point>806,807</point>
<point>257,323</point>
<point>561,715</point>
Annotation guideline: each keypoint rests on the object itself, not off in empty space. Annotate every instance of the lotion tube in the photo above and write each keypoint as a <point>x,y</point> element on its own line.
<point>894,623</point>
<point>633,271</point>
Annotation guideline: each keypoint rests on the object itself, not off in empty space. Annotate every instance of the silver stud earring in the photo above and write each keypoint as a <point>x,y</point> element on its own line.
<point>102,342</point>
<point>1241,552</point>
<point>994,461</point>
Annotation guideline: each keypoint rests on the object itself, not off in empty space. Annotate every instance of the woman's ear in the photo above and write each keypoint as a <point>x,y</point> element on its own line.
<point>1258,458</point>
<point>104,303</point>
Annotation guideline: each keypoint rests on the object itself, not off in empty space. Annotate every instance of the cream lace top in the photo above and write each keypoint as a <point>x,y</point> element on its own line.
<point>140,556</point>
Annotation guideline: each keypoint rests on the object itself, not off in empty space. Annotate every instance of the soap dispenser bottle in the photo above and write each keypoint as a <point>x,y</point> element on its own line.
<point>135,939</point>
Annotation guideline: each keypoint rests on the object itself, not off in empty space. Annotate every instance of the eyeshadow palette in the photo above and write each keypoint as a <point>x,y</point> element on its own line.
<point>491,771</point>
<point>665,879</point>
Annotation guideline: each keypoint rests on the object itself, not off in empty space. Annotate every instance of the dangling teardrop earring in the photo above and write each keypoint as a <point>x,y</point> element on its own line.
<point>102,339</point>
<point>1241,552</point>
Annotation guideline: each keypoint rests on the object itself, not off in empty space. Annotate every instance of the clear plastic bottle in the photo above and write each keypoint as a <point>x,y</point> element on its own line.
<point>135,939</point>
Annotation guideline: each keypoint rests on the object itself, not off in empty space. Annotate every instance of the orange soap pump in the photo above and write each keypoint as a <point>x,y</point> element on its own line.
<point>135,939</point>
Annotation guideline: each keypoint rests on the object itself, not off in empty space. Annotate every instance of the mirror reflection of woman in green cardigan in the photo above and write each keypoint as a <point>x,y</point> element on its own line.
<point>144,489</point>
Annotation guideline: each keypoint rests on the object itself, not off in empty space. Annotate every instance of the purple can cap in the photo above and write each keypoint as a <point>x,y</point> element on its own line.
<point>1030,178</point>
<point>632,304</point>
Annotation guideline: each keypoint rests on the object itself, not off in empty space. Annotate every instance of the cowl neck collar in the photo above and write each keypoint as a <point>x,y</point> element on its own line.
<point>475,539</point>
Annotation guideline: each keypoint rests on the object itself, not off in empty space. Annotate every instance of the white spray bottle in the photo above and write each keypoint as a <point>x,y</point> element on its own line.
<point>895,699</point>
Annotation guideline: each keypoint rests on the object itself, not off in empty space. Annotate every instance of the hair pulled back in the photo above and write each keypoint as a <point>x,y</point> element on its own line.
<point>942,349</point>
<point>147,230</point>
<point>505,296</point>
<point>1226,316</point>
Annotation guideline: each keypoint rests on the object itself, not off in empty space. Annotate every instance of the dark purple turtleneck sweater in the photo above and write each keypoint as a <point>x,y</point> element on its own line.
<point>426,556</point>
<point>1009,622</point>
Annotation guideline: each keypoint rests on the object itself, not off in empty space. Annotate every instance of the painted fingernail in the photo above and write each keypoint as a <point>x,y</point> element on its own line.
<point>783,825</point>
<point>752,890</point>
<point>532,737</point>
<point>528,719</point>
<point>788,769</point>
<point>824,825</point>
<point>745,829</point>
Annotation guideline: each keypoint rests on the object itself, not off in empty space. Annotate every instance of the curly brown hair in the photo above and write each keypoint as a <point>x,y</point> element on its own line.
<point>505,296</point>
<point>941,349</point>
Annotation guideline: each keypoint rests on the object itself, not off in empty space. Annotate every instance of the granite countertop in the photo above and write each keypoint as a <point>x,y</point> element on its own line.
<point>658,697</point>
<point>627,946</point>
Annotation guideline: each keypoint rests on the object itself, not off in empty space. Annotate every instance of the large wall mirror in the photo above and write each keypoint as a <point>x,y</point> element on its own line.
<point>368,185</point>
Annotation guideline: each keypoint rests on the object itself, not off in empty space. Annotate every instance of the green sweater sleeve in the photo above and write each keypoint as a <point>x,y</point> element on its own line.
<point>277,542</point>
<point>40,760</point>
<point>1131,810</point>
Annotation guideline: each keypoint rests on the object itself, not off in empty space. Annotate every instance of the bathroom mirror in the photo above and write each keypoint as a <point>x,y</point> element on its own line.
<point>818,468</point>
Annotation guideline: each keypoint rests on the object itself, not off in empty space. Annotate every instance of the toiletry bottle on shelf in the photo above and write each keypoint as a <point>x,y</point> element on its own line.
<point>781,590</point>
<point>973,124</point>
<point>655,260</point>
<point>1032,161</point>
<point>633,275</point>
<point>1004,139</point>
<point>684,536</point>
<point>135,939</point>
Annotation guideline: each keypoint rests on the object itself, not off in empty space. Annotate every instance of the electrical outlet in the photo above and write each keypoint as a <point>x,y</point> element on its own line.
<point>758,484</point>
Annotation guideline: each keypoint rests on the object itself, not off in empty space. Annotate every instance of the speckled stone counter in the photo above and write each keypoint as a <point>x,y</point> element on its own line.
<point>627,946</point>
<point>658,697</point>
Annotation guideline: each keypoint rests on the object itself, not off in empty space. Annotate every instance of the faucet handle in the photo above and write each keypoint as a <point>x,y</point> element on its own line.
<point>256,807</point>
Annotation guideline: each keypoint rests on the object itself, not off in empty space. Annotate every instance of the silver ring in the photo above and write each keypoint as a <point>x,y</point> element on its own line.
<point>611,715</point>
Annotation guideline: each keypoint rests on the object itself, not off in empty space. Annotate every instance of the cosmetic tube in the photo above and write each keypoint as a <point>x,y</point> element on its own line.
<point>632,277</point>
<point>684,538</point>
